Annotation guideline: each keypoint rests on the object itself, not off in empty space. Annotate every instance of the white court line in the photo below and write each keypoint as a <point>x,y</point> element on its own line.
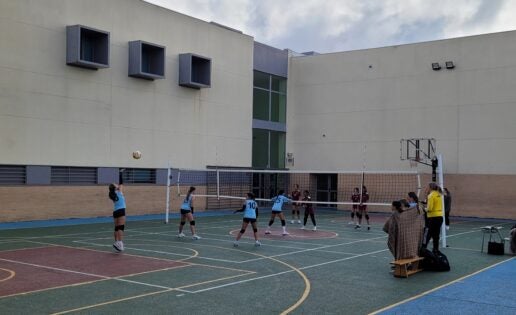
<point>160,252</point>
<point>270,245</point>
<point>284,272</point>
<point>89,274</point>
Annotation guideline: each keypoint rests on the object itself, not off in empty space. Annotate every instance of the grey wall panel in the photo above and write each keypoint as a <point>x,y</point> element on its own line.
<point>107,175</point>
<point>38,175</point>
<point>269,125</point>
<point>270,60</point>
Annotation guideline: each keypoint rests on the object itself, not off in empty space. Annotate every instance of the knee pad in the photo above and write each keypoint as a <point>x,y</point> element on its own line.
<point>359,215</point>
<point>255,230</point>
<point>192,222</point>
<point>367,216</point>
<point>119,227</point>
<point>183,223</point>
<point>242,231</point>
<point>283,222</point>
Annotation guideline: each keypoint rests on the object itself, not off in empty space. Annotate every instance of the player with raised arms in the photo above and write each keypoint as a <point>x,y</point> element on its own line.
<point>116,195</point>
<point>250,210</point>
<point>187,208</point>
<point>277,210</point>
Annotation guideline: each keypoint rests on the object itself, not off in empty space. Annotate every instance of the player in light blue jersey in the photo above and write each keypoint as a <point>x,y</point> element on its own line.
<point>277,210</point>
<point>116,195</point>
<point>187,209</point>
<point>250,210</point>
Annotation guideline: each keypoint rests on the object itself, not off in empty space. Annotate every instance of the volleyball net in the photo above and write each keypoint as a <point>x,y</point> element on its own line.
<point>219,189</point>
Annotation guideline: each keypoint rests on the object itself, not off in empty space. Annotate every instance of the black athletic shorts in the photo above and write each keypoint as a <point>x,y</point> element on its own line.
<point>249,220</point>
<point>183,211</point>
<point>277,211</point>
<point>119,213</point>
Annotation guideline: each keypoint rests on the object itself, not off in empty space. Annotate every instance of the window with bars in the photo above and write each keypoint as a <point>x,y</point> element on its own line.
<point>139,176</point>
<point>13,174</point>
<point>64,175</point>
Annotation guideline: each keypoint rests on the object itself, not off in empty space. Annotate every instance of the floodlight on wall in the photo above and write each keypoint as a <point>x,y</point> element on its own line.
<point>449,65</point>
<point>436,66</point>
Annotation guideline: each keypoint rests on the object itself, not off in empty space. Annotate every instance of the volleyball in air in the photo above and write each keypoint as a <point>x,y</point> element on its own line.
<point>137,155</point>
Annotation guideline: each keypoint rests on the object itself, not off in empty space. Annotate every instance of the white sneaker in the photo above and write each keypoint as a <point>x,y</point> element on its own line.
<point>116,246</point>
<point>302,227</point>
<point>181,235</point>
<point>257,244</point>
<point>121,246</point>
<point>235,244</point>
<point>284,233</point>
<point>351,222</point>
<point>292,222</point>
<point>298,221</point>
<point>268,232</point>
<point>315,228</point>
<point>196,237</point>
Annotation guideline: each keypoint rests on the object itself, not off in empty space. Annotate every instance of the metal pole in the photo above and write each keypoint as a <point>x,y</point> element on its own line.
<point>218,185</point>
<point>167,208</point>
<point>440,171</point>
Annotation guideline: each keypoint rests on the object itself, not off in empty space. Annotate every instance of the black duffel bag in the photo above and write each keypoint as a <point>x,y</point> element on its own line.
<point>495,248</point>
<point>434,261</point>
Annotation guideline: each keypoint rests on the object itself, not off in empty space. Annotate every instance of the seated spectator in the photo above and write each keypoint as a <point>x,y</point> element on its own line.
<point>405,229</point>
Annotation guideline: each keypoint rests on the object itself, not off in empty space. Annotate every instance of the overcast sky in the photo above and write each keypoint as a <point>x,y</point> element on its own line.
<point>339,25</point>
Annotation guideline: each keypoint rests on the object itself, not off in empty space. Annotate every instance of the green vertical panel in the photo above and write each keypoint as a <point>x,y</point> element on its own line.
<point>260,148</point>
<point>260,104</point>
<point>279,84</point>
<point>277,149</point>
<point>278,107</point>
<point>261,80</point>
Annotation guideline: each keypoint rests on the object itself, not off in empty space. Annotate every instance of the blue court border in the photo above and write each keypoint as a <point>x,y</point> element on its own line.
<point>490,291</point>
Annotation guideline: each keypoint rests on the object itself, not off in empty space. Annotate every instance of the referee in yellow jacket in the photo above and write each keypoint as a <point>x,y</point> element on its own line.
<point>434,213</point>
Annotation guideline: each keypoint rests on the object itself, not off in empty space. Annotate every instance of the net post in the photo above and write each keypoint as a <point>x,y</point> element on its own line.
<point>441,184</point>
<point>167,208</point>
<point>178,178</point>
<point>218,184</point>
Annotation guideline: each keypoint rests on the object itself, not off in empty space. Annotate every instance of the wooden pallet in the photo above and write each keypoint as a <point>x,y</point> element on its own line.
<point>403,268</point>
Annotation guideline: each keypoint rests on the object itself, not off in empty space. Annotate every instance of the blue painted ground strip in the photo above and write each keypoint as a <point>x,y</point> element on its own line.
<point>492,291</point>
<point>76,221</point>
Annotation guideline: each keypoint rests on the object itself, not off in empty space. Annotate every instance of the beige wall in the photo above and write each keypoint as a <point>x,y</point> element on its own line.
<point>470,110</point>
<point>54,114</point>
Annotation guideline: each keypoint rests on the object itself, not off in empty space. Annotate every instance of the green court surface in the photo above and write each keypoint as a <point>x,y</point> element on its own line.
<point>336,270</point>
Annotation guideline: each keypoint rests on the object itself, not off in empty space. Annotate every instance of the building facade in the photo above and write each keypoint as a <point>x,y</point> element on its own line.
<point>85,83</point>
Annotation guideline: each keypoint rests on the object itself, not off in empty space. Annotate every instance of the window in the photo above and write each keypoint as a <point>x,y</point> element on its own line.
<point>12,175</point>
<point>139,176</point>
<point>269,97</point>
<point>87,47</point>
<point>268,149</point>
<point>194,71</point>
<point>146,60</point>
<point>64,175</point>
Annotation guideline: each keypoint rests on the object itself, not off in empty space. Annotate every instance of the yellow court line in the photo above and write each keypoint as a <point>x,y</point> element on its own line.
<point>113,301</point>
<point>148,294</point>
<point>10,276</point>
<point>437,288</point>
<point>48,289</point>
<point>303,276</point>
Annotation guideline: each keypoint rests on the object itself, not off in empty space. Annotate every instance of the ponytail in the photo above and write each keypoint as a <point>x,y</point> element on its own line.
<point>112,193</point>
